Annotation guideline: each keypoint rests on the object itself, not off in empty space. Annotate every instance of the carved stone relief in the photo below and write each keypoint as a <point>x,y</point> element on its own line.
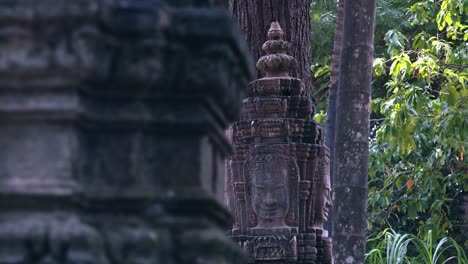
<point>279,170</point>
<point>270,175</point>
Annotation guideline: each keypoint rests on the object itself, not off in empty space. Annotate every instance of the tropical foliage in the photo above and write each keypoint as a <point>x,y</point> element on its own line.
<point>417,169</point>
<point>390,247</point>
<point>417,166</point>
<point>323,14</point>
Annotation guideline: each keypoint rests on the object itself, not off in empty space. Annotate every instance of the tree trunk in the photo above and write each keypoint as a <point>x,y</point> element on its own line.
<point>352,131</point>
<point>337,43</point>
<point>254,19</point>
<point>332,87</point>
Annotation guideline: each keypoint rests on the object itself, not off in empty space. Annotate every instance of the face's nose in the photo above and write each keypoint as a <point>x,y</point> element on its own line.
<point>269,199</point>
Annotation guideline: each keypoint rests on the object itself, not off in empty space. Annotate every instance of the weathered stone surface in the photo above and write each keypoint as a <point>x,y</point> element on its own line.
<point>277,182</point>
<point>112,116</point>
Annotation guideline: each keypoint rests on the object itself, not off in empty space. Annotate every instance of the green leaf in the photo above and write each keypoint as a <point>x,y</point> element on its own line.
<point>412,211</point>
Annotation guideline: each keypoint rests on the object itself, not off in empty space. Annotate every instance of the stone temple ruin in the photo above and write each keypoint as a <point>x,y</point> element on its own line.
<point>278,182</point>
<point>112,118</point>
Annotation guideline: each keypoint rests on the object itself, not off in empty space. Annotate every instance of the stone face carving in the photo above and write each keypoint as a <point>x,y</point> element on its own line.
<point>322,186</point>
<point>278,175</point>
<point>112,118</point>
<point>269,190</point>
<point>270,177</point>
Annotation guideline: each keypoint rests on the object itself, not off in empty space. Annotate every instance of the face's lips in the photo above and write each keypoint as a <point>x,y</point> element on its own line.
<point>270,209</point>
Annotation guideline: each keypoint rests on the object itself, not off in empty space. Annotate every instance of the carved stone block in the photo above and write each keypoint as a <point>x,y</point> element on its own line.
<point>272,248</point>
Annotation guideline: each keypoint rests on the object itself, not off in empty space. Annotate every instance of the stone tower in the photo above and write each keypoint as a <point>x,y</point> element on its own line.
<point>112,118</point>
<point>277,180</point>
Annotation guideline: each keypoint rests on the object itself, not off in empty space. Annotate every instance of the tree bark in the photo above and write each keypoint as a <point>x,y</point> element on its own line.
<point>254,19</point>
<point>337,43</point>
<point>332,90</point>
<point>350,166</point>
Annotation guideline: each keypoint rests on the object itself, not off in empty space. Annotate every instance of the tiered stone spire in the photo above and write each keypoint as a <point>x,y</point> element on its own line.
<point>277,177</point>
<point>276,62</point>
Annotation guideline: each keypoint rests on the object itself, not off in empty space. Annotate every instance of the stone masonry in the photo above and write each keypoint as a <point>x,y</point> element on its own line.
<point>278,182</point>
<point>112,118</point>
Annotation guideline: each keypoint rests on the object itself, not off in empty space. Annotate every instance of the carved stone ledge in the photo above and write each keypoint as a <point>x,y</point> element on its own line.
<point>277,107</point>
<point>276,86</point>
<point>279,130</point>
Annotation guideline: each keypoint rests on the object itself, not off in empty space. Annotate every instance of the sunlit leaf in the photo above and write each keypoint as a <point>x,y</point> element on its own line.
<point>410,184</point>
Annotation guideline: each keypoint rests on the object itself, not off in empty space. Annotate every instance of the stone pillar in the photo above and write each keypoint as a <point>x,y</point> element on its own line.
<point>112,118</point>
<point>278,169</point>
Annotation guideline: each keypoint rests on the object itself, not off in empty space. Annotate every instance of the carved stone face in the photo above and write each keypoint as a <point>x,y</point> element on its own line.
<point>326,203</point>
<point>270,196</point>
<point>322,191</point>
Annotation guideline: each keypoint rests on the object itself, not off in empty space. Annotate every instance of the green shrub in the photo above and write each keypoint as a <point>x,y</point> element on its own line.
<point>390,247</point>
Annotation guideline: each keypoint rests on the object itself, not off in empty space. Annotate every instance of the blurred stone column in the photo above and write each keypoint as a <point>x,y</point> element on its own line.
<point>112,118</point>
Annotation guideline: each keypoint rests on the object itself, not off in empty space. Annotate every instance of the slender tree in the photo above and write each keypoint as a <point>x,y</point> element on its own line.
<point>254,19</point>
<point>350,165</point>
<point>332,90</point>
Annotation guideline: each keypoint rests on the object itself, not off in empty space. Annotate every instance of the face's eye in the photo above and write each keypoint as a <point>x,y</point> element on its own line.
<point>259,190</point>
